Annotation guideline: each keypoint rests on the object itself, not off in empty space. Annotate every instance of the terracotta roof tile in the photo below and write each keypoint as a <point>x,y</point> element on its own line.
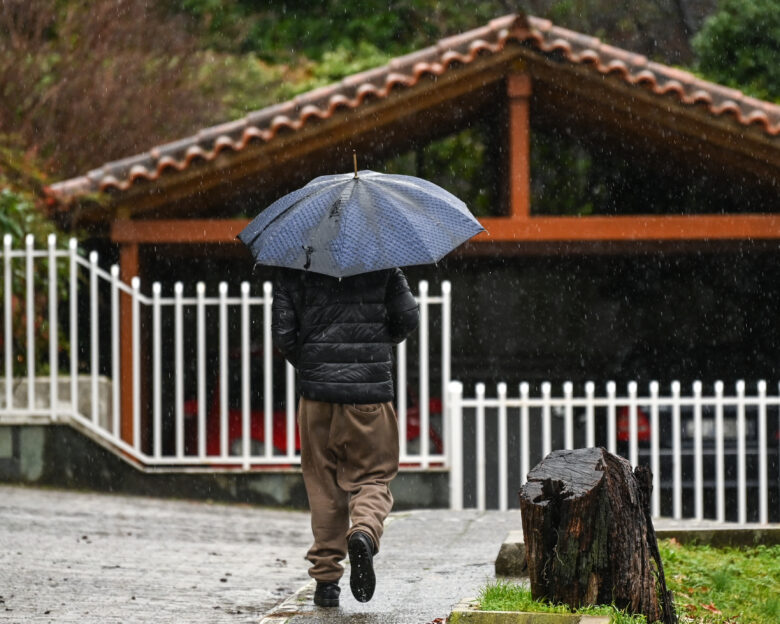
<point>404,71</point>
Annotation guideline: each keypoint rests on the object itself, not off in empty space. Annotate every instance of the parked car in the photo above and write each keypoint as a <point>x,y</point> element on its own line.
<point>279,418</point>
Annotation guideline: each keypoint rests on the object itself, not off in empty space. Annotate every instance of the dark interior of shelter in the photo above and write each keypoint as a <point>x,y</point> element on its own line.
<point>683,315</point>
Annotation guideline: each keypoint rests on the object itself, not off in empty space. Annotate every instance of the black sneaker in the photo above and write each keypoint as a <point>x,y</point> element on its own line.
<point>361,560</point>
<point>327,594</point>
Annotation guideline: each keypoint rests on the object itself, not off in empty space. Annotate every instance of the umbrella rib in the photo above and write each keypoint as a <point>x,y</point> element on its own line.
<point>288,209</point>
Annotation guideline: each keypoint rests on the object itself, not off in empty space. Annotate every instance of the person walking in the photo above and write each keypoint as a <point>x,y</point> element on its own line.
<point>339,335</point>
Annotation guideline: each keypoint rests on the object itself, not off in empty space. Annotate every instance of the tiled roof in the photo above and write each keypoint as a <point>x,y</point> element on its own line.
<point>355,90</point>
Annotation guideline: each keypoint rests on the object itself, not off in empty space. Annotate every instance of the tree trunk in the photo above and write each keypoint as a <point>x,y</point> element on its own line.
<point>588,534</point>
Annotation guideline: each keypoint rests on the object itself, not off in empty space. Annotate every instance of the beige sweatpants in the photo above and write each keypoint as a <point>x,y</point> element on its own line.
<point>349,454</point>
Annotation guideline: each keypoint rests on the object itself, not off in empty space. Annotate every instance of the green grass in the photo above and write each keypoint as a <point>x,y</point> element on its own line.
<point>505,596</point>
<point>720,585</point>
<point>710,585</point>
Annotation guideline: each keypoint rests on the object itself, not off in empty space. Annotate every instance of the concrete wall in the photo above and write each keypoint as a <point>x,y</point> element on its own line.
<point>61,456</point>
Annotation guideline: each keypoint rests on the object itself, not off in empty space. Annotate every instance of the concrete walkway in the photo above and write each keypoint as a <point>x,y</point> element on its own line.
<point>96,558</point>
<point>83,557</point>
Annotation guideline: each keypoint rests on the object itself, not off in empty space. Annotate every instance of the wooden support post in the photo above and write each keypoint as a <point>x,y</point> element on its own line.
<point>128,269</point>
<point>518,86</point>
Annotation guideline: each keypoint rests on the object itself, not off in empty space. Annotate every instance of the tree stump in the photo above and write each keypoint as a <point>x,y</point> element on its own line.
<point>588,534</point>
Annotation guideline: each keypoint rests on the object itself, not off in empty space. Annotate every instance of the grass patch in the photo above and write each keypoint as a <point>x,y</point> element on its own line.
<point>710,585</point>
<point>723,585</point>
<point>505,596</point>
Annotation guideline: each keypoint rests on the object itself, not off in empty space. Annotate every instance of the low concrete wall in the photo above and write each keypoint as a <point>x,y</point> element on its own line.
<point>58,455</point>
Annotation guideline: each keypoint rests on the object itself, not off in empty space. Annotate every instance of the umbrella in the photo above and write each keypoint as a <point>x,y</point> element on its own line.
<point>345,224</point>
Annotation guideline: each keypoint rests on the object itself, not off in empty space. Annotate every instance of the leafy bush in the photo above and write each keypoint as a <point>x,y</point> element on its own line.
<point>740,46</point>
<point>22,213</point>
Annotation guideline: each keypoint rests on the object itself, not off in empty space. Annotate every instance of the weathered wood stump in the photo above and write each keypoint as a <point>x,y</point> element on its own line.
<point>588,534</point>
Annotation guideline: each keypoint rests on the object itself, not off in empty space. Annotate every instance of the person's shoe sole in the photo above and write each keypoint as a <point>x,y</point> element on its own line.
<point>362,580</point>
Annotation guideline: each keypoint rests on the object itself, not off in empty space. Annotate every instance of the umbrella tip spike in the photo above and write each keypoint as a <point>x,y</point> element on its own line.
<point>354,161</point>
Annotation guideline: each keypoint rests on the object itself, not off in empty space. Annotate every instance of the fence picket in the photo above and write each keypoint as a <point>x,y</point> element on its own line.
<point>30,322</point>
<point>74,323</point>
<point>8,340</point>
<point>480,446</point>
<point>424,393</point>
<point>698,447</point>
<point>53,330</point>
<point>156,370</point>
<point>116,374</point>
<point>268,390</point>
<point>94,342</point>
<point>720,456</point>
<point>200,345</point>
<point>763,478</point>
<point>655,459</point>
<point>741,459</point>
<point>135,283</point>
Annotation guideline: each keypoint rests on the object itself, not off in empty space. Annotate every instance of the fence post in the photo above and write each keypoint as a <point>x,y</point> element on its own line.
<point>136,359</point>
<point>741,463</point>
<point>611,417</point>
<point>116,376</point>
<point>94,348</point>
<point>456,445</point>
<point>30,321</point>
<point>54,372</point>
<point>156,370</point>
<point>525,459</point>
<point>763,485</point>
<point>676,453</point>
<point>480,446</point>
<point>246,434</point>
<point>655,459</point>
<point>74,325</point>
<point>720,461</point>
<point>7,329</point>
<point>178,354</point>
<point>698,449</point>
<point>223,370</point>
<point>201,360</point>
<point>424,394</point>
<point>546,419</point>
<point>590,416</point>
<point>446,354</point>
<point>268,367</point>
<point>633,424</point>
<point>503,442</point>
<point>401,392</point>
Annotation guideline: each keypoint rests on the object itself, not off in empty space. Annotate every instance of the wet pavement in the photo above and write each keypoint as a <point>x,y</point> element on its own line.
<point>86,557</point>
<point>430,560</point>
<point>89,558</point>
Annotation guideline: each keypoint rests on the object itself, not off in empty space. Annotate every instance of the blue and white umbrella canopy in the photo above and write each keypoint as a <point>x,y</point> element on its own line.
<point>346,224</point>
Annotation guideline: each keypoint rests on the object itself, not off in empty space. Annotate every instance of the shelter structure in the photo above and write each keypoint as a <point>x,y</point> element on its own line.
<point>519,76</point>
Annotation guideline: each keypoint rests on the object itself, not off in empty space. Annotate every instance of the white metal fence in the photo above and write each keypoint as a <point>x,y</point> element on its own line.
<point>206,386</point>
<point>205,390</point>
<point>712,454</point>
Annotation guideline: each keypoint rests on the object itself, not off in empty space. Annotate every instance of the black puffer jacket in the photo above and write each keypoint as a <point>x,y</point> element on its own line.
<point>339,333</point>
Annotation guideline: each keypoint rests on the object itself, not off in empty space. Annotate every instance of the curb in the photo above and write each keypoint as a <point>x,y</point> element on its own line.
<point>466,612</point>
<point>511,556</point>
<point>739,535</point>
<point>291,606</point>
<point>511,559</point>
